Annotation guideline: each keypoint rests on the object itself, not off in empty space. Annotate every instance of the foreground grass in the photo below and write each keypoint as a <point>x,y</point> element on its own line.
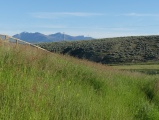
<point>35,85</point>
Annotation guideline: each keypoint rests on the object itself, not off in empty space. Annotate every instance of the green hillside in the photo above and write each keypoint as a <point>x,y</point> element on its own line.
<point>37,85</point>
<point>111,50</point>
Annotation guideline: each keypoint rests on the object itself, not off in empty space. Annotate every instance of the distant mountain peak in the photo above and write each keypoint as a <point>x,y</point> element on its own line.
<point>56,37</point>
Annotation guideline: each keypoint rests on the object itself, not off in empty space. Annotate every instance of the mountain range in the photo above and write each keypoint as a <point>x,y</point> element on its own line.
<point>41,38</point>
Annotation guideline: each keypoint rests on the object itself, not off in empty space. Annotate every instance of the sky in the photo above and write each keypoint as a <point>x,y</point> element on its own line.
<point>93,18</point>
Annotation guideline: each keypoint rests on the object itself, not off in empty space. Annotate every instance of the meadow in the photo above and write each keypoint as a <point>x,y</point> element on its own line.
<point>150,69</point>
<point>39,85</point>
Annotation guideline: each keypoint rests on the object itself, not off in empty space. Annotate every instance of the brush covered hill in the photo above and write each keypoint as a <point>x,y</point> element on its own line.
<point>111,50</point>
<point>38,85</point>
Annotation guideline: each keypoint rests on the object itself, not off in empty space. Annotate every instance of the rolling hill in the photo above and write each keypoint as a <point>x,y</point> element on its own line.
<point>40,85</point>
<point>39,37</point>
<point>111,50</point>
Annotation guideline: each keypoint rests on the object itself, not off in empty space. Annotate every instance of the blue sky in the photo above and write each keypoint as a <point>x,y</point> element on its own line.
<point>95,18</point>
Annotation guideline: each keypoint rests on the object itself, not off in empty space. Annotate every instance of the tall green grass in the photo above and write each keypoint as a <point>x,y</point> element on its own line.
<point>35,85</point>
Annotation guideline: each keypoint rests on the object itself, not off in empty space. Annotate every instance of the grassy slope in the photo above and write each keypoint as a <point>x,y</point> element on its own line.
<point>42,86</point>
<point>111,50</point>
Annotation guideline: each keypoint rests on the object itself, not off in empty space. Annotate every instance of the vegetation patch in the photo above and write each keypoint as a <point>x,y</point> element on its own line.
<point>110,50</point>
<point>39,85</point>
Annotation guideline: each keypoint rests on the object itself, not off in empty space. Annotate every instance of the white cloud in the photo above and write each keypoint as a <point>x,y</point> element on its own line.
<point>55,15</point>
<point>139,15</point>
<point>63,14</point>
